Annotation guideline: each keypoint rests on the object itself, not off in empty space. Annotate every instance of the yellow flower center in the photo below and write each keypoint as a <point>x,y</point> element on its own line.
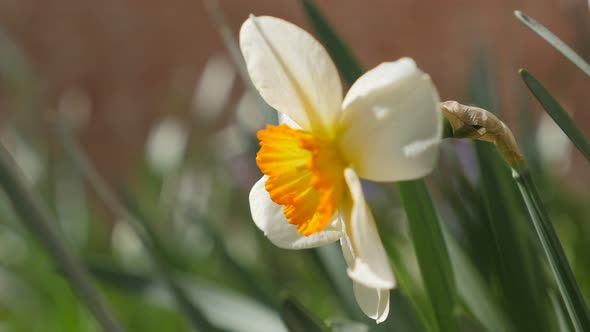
<point>305,175</point>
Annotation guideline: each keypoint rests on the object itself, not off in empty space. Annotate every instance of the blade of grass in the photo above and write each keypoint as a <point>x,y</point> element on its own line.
<point>473,292</point>
<point>423,221</point>
<point>145,234</point>
<point>467,206</point>
<point>36,216</point>
<point>566,281</point>
<point>554,41</point>
<point>431,251</point>
<point>556,112</point>
<point>411,287</point>
<point>560,311</point>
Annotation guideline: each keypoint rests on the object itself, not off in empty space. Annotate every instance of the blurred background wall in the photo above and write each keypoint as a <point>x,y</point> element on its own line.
<point>129,62</point>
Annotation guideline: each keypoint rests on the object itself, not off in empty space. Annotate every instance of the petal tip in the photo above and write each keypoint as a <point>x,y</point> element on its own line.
<point>373,302</point>
<point>364,275</point>
<point>380,319</point>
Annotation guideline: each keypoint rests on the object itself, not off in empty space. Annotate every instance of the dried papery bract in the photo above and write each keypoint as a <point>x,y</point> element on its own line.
<point>477,123</point>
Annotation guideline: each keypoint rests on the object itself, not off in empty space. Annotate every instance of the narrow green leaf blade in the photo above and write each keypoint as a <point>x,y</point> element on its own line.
<point>431,251</point>
<point>473,292</point>
<point>554,41</point>
<point>410,286</point>
<point>566,282</point>
<point>298,318</point>
<point>556,112</point>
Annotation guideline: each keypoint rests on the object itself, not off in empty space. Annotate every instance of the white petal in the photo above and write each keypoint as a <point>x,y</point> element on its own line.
<point>283,119</point>
<point>373,302</point>
<point>270,219</point>
<point>371,266</point>
<point>347,249</point>
<point>292,71</point>
<point>391,125</point>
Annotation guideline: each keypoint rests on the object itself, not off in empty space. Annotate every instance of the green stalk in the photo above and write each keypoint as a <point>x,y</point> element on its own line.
<point>566,281</point>
<point>37,218</point>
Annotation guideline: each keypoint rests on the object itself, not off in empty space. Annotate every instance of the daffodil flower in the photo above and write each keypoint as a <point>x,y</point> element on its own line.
<point>387,128</point>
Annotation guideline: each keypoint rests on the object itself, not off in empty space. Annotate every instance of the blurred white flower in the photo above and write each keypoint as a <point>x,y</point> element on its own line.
<point>128,247</point>
<point>226,309</point>
<point>213,89</point>
<point>166,145</point>
<point>387,128</point>
<point>554,147</point>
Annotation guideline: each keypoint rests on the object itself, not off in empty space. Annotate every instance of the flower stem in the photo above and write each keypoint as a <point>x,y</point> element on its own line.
<point>37,218</point>
<point>566,281</point>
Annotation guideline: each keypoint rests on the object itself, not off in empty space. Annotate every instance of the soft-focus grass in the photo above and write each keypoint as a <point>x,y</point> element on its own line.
<point>194,206</point>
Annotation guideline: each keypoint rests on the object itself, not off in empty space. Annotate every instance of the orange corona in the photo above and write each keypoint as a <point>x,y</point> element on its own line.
<point>305,175</point>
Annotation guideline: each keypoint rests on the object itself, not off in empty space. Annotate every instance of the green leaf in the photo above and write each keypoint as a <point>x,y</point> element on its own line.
<point>566,282</point>
<point>562,318</point>
<point>403,261</point>
<point>556,112</point>
<point>423,221</point>
<point>431,251</point>
<point>554,41</point>
<point>473,291</point>
<point>298,318</point>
